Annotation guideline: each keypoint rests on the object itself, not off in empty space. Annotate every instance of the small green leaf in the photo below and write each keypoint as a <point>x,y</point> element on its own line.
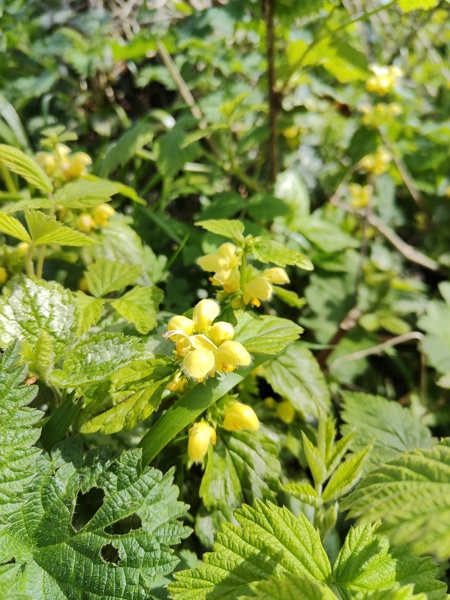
<point>289,297</point>
<point>106,276</point>
<point>228,228</point>
<point>269,251</point>
<point>13,227</point>
<point>47,230</point>
<point>89,311</point>
<point>315,461</point>
<point>345,476</point>
<point>86,194</point>
<point>265,334</point>
<point>139,306</point>
<point>304,492</point>
<point>18,162</point>
<point>408,5</point>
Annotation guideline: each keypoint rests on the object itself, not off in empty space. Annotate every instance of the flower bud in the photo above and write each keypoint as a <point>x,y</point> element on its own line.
<point>22,249</point>
<point>201,435</point>
<point>178,384</point>
<point>240,416</point>
<point>83,285</point>
<point>204,314</point>
<point>180,323</point>
<point>230,355</point>
<point>102,213</point>
<point>198,363</point>
<point>86,223</point>
<point>276,275</point>
<point>286,411</point>
<point>3,275</point>
<point>220,332</point>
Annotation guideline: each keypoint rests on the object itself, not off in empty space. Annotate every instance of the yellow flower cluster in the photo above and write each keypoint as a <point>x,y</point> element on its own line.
<point>378,162</point>
<point>98,218</point>
<point>206,348</point>
<point>379,114</point>
<point>383,79</point>
<point>360,195</point>
<point>59,165</point>
<point>260,288</point>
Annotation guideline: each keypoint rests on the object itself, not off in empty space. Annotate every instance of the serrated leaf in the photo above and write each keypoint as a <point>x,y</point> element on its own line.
<point>28,307</point>
<point>316,463</point>
<point>13,227</point>
<point>296,376</point>
<point>20,205</point>
<point>388,426</point>
<point>47,230</point>
<point>269,251</point>
<point>97,358</point>
<point>85,194</point>
<point>411,494</point>
<point>17,432</point>
<point>436,344</point>
<point>126,147</point>
<point>106,276</point>
<point>408,5</point>
<point>89,311</point>
<point>345,476</point>
<point>76,561</point>
<point>293,587</point>
<point>304,492</point>
<point>139,306</point>
<point>18,162</point>
<point>265,334</point>
<point>228,228</point>
<point>39,355</point>
<point>132,395</point>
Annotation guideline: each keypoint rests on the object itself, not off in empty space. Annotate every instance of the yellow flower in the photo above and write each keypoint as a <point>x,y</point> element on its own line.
<point>240,416</point>
<point>286,411</point>
<point>86,223</point>
<point>102,213</point>
<point>76,165</point>
<point>178,384</point>
<point>181,324</point>
<point>204,314</point>
<point>230,355</point>
<point>22,249</point>
<point>360,195</point>
<point>201,435</point>
<point>377,163</point>
<point>383,79</point>
<point>276,275</point>
<point>225,265</point>
<point>220,332</point>
<point>199,363</point>
<point>256,290</point>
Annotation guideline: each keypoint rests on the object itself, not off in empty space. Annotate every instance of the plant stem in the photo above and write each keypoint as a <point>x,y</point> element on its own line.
<point>29,265</point>
<point>348,322</point>
<point>272,93</point>
<point>10,186</point>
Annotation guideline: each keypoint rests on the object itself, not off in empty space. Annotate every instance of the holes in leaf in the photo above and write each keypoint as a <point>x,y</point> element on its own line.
<point>110,554</point>
<point>125,525</point>
<point>86,506</point>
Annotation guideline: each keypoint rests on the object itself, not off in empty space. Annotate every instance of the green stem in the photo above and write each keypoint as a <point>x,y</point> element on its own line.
<point>57,426</point>
<point>29,266</point>
<point>188,408</point>
<point>8,179</point>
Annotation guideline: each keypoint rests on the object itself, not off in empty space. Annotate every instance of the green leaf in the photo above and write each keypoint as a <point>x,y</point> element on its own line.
<point>97,358</point>
<point>408,5</point>
<point>293,587</point>
<point>13,227</point>
<point>139,306</point>
<point>126,147</point>
<point>106,276</point>
<point>17,433</point>
<point>304,492</point>
<point>388,426</point>
<point>343,61</point>
<point>296,376</point>
<point>47,230</point>
<point>264,334</point>
<point>265,207</point>
<point>436,344</point>
<point>171,155</point>
<point>325,235</point>
<point>289,297</point>
<point>132,395</point>
<point>89,311</point>
<point>345,476</point>
<point>28,307</point>
<point>228,228</point>
<point>39,355</point>
<point>269,251</point>
<point>315,460</point>
<point>411,494</point>
<point>86,194</point>
<point>18,162</point>
<point>21,205</point>
<point>90,557</point>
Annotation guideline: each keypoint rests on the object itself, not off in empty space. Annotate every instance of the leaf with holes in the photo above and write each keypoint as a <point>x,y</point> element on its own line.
<point>18,162</point>
<point>114,553</point>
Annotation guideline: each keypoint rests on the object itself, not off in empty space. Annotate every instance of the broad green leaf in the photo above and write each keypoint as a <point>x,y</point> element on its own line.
<point>343,61</point>
<point>228,228</point>
<point>17,433</point>
<point>388,426</point>
<point>265,334</point>
<point>92,557</point>
<point>294,587</point>
<point>296,376</point>
<point>39,354</point>
<point>89,311</point>
<point>411,494</point>
<point>13,227</point>
<point>21,205</point>
<point>131,395</point>
<point>269,541</point>
<point>345,476</point>
<point>28,307</point>
<point>398,593</point>
<point>269,251</point>
<point>139,306</point>
<point>126,147</point>
<point>18,162</point>
<point>86,194</point>
<point>408,5</point>
<point>265,207</point>
<point>171,155</point>
<point>106,276</point>
<point>436,344</point>
<point>47,230</point>
<point>325,235</point>
<point>97,358</point>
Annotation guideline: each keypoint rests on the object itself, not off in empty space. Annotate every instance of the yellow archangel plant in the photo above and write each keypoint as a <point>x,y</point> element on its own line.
<point>206,348</point>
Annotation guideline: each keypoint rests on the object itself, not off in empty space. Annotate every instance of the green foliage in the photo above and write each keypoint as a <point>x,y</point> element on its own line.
<point>18,162</point>
<point>106,276</point>
<point>139,306</point>
<point>227,228</point>
<point>267,251</point>
<point>264,334</point>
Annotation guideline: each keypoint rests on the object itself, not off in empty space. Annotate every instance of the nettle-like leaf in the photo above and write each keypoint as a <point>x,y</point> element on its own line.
<point>139,306</point>
<point>29,307</point>
<point>18,162</point>
<point>47,230</point>
<point>388,426</point>
<point>264,334</point>
<point>116,552</point>
<point>17,434</point>
<point>89,311</point>
<point>296,376</point>
<point>269,251</point>
<point>228,228</point>
<point>86,194</point>
<point>411,494</point>
<point>106,276</point>
<point>294,587</point>
<point>126,146</point>
<point>13,227</point>
<point>270,543</point>
<point>130,396</point>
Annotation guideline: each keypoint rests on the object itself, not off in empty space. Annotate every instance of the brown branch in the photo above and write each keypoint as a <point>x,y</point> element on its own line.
<point>349,322</point>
